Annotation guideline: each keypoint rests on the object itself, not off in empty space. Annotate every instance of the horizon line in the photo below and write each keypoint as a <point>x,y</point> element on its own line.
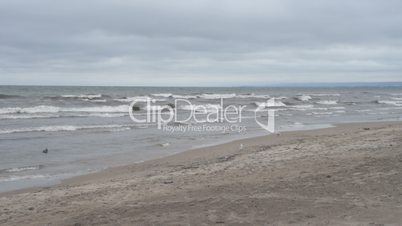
<point>284,84</point>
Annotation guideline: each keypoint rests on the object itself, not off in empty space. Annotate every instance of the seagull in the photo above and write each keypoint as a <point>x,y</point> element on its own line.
<point>45,151</point>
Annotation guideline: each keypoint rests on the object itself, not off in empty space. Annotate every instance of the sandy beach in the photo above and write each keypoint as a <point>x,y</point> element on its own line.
<point>347,175</point>
<point>200,113</point>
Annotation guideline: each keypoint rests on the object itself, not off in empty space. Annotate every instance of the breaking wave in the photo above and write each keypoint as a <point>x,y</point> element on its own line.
<point>19,116</point>
<point>178,96</point>
<point>217,96</point>
<point>266,104</point>
<point>25,177</point>
<point>252,95</point>
<point>83,96</point>
<point>21,169</point>
<point>327,102</point>
<point>325,94</point>
<point>208,96</point>
<point>162,95</point>
<point>390,102</point>
<point>304,98</point>
<point>61,128</point>
<point>54,109</point>
<point>137,99</point>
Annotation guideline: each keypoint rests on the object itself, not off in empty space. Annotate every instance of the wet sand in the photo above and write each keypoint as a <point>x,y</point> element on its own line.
<point>347,175</point>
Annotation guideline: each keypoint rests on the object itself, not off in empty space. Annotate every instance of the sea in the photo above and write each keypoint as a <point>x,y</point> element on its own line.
<point>50,133</point>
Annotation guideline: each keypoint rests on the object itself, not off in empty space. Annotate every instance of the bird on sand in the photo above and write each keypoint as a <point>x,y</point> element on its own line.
<point>45,151</point>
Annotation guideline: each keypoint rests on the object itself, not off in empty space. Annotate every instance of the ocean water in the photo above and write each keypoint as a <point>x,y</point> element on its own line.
<point>86,129</point>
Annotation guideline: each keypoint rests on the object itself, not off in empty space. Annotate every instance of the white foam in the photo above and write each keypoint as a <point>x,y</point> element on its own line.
<point>337,108</point>
<point>277,103</point>
<point>320,109</point>
<point>390,102</point>
<point>120,129</point>
<point>322,113</point>
<point>135,98</point>
<point>36,109</point>
<point>104,109</point>
<point>363,110</point>
<point>388,108</point>
<point>325,94</point>
<point>281,98</point>
<point>83,96</point>
<point>164,145</point>
<point>177,96</point>
<point>304,97</point>
<point>106,115</point>
<point>34,116</point>
<point>30,116</point>
<point>25,177</point>
<point>21,169</point>
<point>328,102</point>
<point>217,96</point>
<point>252,95</point>
<point>162,94</point>
<point>53,109</point>
<point>303,107</point>
<point>96,101</point>
<point>59,128</point>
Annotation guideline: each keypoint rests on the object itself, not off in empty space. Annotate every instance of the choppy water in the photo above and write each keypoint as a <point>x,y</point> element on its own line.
<point>88,128</point>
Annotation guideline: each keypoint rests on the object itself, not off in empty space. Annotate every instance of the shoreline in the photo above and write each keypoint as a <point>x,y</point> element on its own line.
<point>217,145</point>
<point>206,146</point>
<point>350,169</point>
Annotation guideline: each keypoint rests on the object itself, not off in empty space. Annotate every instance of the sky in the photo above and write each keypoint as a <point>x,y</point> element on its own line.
<point>199,42</point>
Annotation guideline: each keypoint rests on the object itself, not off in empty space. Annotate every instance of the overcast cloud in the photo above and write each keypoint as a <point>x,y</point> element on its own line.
<point>194,42</point>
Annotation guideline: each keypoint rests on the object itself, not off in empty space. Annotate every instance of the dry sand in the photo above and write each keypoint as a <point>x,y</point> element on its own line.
<point>348,175</point>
